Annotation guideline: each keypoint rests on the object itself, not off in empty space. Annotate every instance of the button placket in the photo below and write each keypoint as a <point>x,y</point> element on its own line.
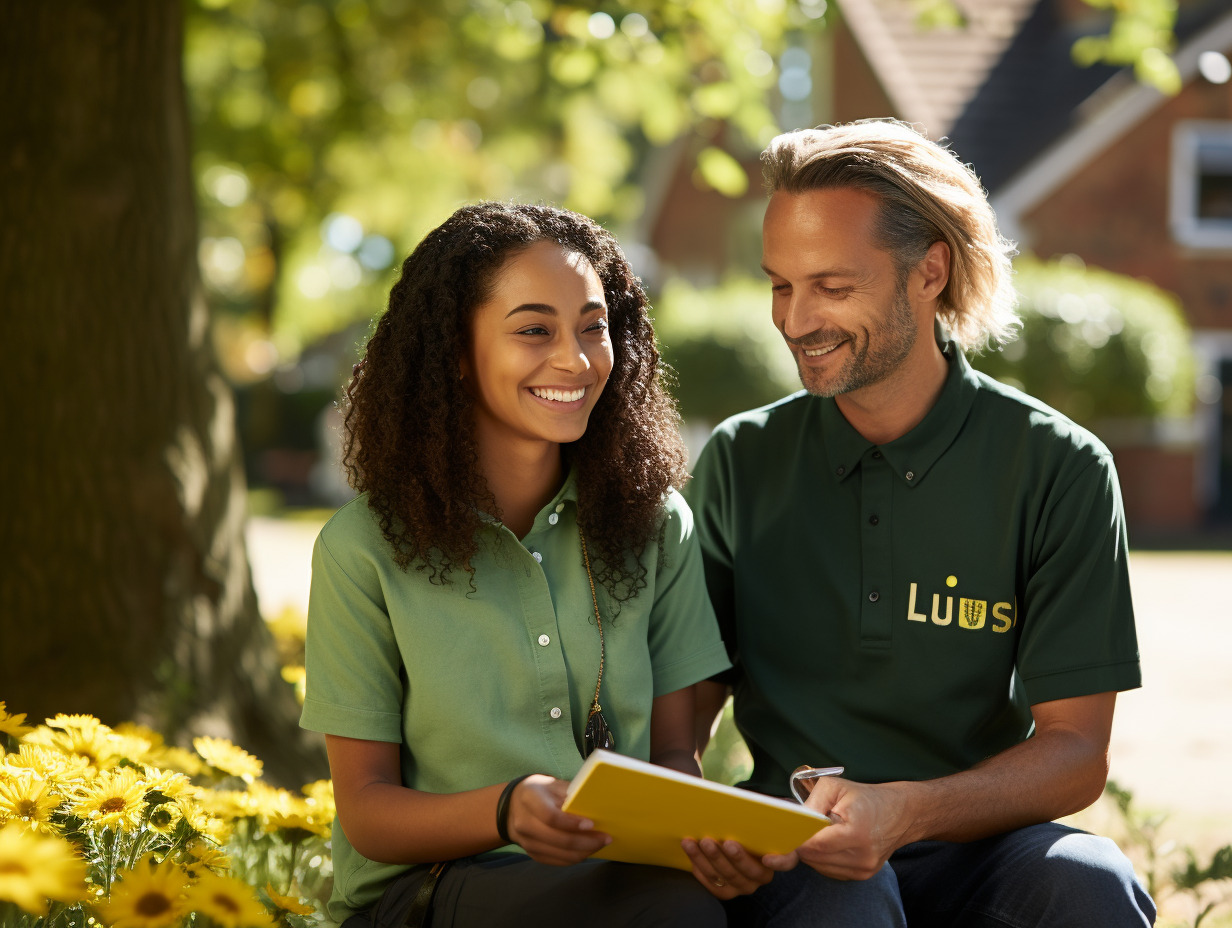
<point>876,487</point>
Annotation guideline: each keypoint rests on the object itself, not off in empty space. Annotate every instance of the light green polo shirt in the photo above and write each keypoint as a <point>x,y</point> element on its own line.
<point>480,686</point>
<point>897,609</point>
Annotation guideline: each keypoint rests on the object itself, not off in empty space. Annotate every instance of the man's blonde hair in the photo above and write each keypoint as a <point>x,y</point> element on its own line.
<point>926,195</point>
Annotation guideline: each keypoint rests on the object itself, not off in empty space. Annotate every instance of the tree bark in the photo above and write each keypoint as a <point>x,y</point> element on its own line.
<point>125,590</point>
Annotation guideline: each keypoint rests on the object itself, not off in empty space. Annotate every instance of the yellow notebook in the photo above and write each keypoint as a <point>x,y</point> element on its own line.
<point>648,809</point>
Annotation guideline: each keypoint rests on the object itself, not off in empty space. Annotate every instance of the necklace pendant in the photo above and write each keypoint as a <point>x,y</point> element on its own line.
<point>596,733</point>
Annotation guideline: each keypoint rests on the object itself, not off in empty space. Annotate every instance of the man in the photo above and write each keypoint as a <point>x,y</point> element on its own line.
<point>920,573</point>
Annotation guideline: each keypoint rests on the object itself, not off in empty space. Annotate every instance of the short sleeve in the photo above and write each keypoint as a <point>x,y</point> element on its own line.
<point>1078,636</point>
<point>354,681</point>
<point>684,640</point>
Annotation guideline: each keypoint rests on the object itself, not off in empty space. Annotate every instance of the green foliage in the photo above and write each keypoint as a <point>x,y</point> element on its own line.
<point>1097,345</point>
<point>1143,838</point>
<point>1141,35</point>
<point>719,341</point>
<point>332,134</point>
<point>727,758</point>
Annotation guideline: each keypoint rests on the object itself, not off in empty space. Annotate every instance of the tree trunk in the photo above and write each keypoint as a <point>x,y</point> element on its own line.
<point>125,590</point>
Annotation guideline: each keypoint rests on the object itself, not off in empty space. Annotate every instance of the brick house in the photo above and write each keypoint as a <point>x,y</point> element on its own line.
<point>1082,161</point>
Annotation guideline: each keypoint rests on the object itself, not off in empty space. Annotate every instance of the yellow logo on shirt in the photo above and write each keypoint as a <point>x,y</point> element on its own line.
<point>972,613</point>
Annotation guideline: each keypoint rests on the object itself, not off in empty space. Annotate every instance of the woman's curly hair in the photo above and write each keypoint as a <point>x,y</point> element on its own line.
<point>409,440</point>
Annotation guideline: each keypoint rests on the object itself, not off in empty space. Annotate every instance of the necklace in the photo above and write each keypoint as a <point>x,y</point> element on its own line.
<point>596,734</point>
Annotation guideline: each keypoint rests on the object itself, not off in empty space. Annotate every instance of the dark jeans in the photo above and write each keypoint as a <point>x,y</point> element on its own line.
<point>1043,876</point>
<point>511,890</point>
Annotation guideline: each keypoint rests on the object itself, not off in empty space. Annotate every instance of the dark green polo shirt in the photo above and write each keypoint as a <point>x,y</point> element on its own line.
<point>481,685</point>
<point>897,609</point>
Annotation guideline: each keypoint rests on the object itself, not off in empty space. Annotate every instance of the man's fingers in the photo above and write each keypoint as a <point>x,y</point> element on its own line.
<point>781,862</point>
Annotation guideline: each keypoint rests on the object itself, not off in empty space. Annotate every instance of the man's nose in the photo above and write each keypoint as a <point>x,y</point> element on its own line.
<point>799,318</point>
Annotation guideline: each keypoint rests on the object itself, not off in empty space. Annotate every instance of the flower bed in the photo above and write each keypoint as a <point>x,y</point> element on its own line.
<point>111,826</point>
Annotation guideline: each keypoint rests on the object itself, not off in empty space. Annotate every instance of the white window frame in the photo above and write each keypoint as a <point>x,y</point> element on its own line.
<point>1187,227</point>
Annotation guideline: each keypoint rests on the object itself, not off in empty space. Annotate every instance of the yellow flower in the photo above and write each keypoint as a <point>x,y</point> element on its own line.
<point>149,896</point>
<point>36,870</point>
<point>229,803</point>
<point>203,823</point>
<point>158,753</point>
<point>288,903</point>
<point>164,818</point>
<point>116,798</point>
<point>83,722</point>
<point>132,747</point>
<point>321,799</point>
<point>170,783</point>
<point>290,625</point>
<point>297,676</point>
<point>62,771</point>
<point>12,724</point>
<point>281,810</point>
<point>82,735</point>
<point>176,759</point>
<point>207,854</point>
<point>30,800</point>
<point>225,756</point>
<point>228,902</point>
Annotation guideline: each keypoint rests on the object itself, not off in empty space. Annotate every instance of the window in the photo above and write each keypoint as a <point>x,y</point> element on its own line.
<point>1201,208</point>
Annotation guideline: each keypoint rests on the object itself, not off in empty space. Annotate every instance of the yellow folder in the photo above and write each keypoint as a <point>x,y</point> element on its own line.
<point>648,809</point>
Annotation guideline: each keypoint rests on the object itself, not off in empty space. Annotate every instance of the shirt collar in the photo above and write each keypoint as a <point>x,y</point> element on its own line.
<point>566,494</point>
<point>913,455</point>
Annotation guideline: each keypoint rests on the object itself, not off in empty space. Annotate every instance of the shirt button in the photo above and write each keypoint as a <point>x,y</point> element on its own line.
<point>840,471</point>
<point>545,640</point>
<point>910,475</point>
<point>873,520</point>
<point>553,518</point>
<point>537,556</point>
<point>874,596</point>
<point>560,507</point>
<point>876,455</point>
<point>555,713</point>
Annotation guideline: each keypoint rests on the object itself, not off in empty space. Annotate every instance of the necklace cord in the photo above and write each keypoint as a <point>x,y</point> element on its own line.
<point>595,707</point>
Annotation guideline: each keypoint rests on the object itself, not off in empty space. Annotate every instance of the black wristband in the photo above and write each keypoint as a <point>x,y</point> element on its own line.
<point>502,808</point>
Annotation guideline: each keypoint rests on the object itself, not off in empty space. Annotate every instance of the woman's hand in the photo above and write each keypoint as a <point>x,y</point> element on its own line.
<point>727,870</point>
<point>547,834</point>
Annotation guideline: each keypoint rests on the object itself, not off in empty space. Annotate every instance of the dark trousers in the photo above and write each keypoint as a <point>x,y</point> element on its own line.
<point>511,890</point>
<point>1043,876</point>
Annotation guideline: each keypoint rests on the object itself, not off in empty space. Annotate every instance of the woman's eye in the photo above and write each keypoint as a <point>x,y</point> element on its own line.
<point>533,330</point>
<point>599,325</point>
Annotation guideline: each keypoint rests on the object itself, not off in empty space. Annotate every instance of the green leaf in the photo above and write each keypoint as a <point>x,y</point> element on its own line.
<point>722,172</point>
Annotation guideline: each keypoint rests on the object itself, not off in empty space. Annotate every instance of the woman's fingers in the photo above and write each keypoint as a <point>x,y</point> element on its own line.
<point>546,833</point>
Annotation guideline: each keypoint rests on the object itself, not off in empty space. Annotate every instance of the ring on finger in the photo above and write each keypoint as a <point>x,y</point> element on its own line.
<point>719,881</point>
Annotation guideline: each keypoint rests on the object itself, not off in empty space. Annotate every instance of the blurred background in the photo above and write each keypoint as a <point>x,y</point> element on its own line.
<point>206,203</point>
<point>329,137</point>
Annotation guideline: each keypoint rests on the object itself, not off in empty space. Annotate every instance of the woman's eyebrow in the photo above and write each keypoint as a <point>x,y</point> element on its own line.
<point>544,309</point>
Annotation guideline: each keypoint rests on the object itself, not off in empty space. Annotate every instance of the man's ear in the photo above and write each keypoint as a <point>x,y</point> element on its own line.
<point>934,271</point>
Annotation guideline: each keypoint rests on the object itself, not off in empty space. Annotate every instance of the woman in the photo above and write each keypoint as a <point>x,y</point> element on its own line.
<point>518,572</point>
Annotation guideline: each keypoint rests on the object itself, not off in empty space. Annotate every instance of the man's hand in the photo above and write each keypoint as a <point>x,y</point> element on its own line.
<point>547,834</point>
<point>727,870</point>
<point>868,825</point>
